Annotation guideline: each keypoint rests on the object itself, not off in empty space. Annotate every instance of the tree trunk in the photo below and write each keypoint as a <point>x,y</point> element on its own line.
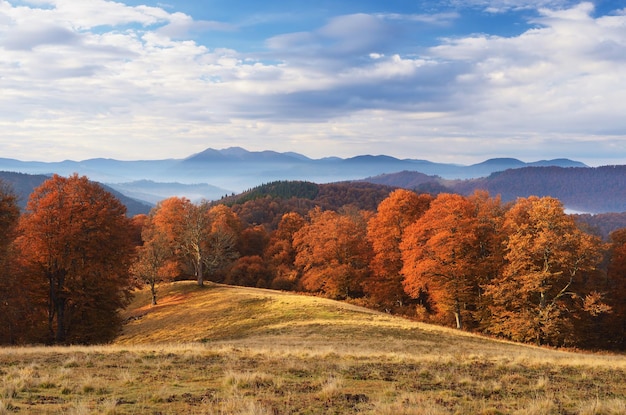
<point>60,311</point>
<point>457,315</point>
<point>153,292</point>
<point>199,271</point>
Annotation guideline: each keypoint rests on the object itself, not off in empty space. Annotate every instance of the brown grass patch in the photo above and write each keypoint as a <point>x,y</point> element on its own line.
<point>230,350</point>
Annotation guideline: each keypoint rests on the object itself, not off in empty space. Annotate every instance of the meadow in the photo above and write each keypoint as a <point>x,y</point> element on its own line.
<point>233,350</point>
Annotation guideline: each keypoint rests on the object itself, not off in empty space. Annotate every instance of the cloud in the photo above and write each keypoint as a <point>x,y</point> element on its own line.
<point>342,37</point>
<point>438,19</point>
<point>562,76</point>
<point>353,83</point>
<point>181,26</point>
<point>504,6</point>
<point>26,38</point>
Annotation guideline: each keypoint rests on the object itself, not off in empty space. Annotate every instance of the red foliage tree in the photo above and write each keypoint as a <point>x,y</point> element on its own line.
<point>445,255</point>
<point>76,237</point>
<point>385,231</point>
<point>280,253</point>
<point>155,261</point>
<point>250,271</point>
<point>16,293</point>
<point>333,253</point>
<point>202,236</point>
<point>615,326</point>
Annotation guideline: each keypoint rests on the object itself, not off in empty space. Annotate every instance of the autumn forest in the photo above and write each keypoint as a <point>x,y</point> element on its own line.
<point>524,271</point>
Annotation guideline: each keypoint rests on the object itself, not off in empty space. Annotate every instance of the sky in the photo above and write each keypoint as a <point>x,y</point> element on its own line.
<point>456,81</point>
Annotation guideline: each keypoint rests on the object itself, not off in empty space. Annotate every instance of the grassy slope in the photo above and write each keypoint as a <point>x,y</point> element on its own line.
<point>221,314</point>
<point>233,350</point>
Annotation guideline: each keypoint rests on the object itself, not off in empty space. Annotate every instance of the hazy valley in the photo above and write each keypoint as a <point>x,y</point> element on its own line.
<point>212,174</point>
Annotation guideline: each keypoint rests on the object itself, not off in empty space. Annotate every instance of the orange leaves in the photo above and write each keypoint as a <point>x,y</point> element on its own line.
<point>385,231</point>
<point>75,236</point>
<point>9,214</point>
<point>14,291</point>
<point>200,236</point>
<point>549,262</point>
<point>444,254</point>
<point>333,253</point>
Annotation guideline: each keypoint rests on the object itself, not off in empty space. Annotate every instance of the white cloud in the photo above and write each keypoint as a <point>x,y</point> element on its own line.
<point>439,19</point>
<point>127,79</point>
<point>342,37</point>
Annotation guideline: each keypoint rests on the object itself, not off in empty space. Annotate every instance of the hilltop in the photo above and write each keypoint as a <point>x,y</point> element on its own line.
<point>227,314</point>
<point>233,350</point>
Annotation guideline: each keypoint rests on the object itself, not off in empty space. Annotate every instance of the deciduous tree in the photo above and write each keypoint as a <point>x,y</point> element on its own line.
<point>280,253</point>
<point>16,293</point>
<point>223,238</point>
<point>616,289</point>
<point>202,236</point>
<point>541,291</point>
<point>76,237</point>
<point>385,231</point>
<point>444,256</point>
<point>250,271</point>
<point>155,260</point>
<point>333,253</point>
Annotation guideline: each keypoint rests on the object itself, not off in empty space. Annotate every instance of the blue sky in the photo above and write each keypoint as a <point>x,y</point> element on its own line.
<point>450,81</point>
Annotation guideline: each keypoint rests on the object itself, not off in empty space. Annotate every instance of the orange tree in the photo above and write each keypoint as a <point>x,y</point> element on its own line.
<point>185,227</point>
<point>448,252</point>
<point>615,332</point>
<point>15,292</point>
<point>155,261</point>
<point>385,231</point>
<point>225,232</point>
<point>280,252</point>
<point>76,237</point>
<point>333,253</point>
<point>546,285</point>
<point>199,235</point>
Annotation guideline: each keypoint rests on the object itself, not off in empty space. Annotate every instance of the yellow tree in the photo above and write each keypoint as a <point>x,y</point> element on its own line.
<point>76,237</point>
<point>385,231</point>
<point>541,291</point>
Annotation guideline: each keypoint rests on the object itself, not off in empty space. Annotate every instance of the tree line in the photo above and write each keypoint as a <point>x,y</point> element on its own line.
<point>523,270</point>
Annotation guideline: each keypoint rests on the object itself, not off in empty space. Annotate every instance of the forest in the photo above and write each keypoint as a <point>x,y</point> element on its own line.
<point>523,270</point>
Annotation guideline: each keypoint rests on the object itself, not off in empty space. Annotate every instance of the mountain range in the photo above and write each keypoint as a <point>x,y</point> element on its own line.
<point>213,173</point>
<point>580,189</point>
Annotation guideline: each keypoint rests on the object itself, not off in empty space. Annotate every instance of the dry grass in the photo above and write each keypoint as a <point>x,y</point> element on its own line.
<point>228,350</point>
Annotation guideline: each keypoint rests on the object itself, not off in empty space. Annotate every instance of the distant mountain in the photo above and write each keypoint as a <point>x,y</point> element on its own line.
<point>581,189</point>
<point>24,184</point>
<point>405,179</point>
<point>238,154</point>
<point>234,170</point>
<point>153,192</point>
<point>501,164</point>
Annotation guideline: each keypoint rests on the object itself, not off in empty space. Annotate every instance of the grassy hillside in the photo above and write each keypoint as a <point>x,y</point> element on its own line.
<point>232,350</point>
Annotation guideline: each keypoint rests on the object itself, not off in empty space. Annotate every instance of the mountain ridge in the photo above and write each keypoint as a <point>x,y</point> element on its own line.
<point>212,173</point>
<point>255,167</point>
